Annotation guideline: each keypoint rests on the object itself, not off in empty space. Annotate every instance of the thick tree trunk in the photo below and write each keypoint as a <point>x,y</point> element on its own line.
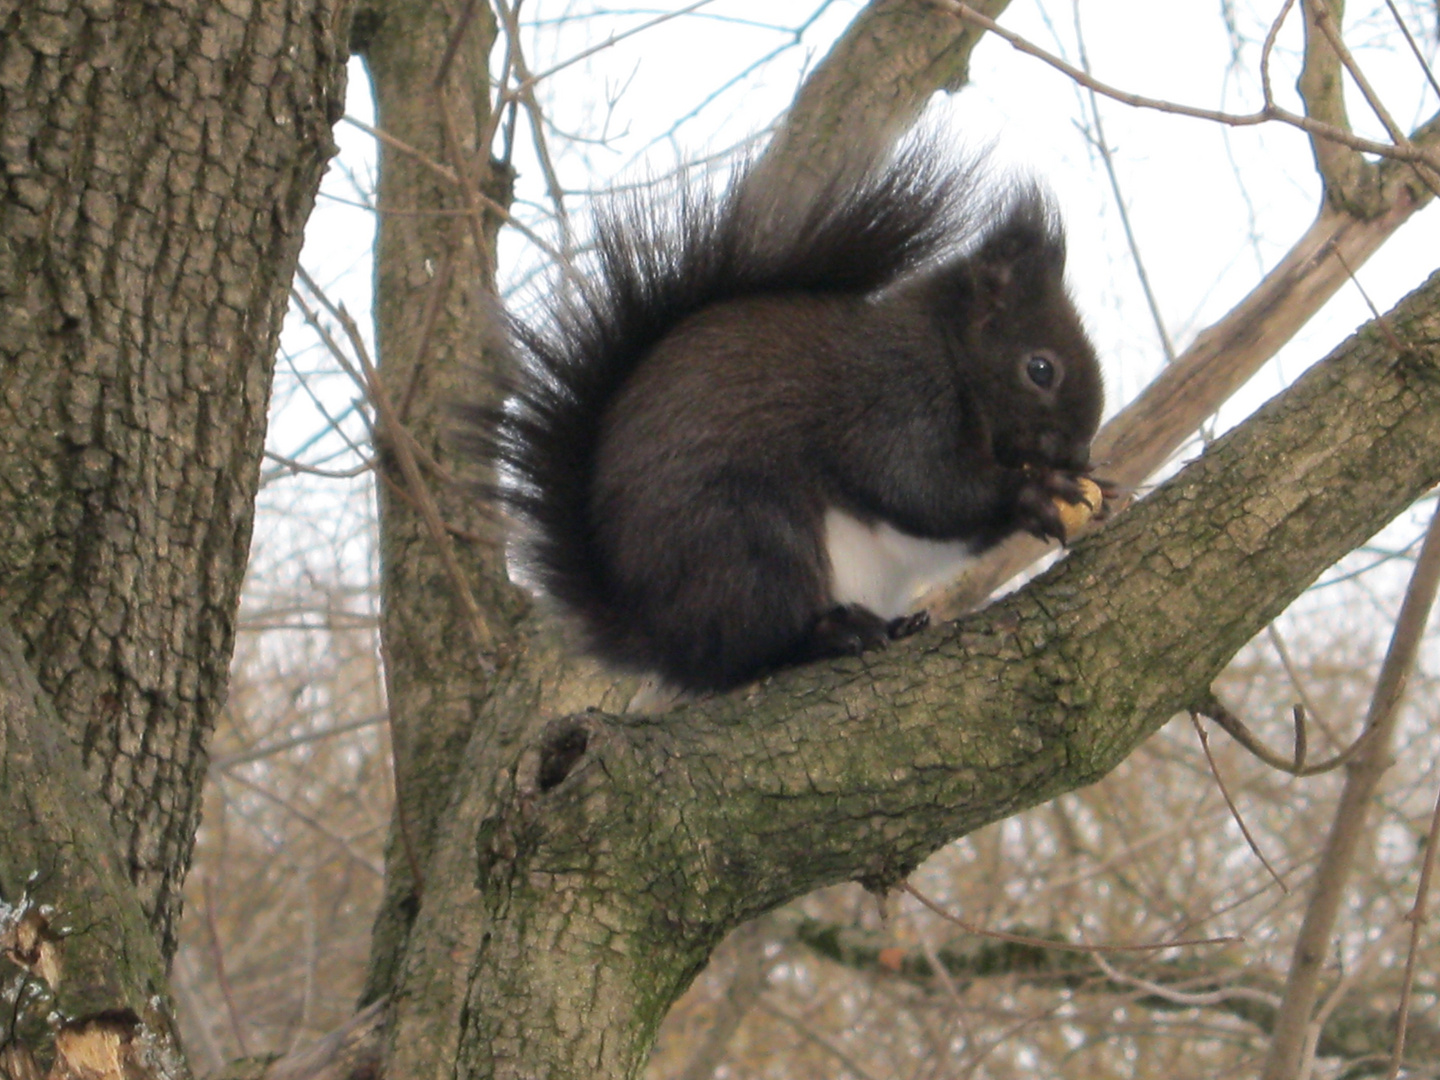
<point>159,164</point>
<point>556,877</point>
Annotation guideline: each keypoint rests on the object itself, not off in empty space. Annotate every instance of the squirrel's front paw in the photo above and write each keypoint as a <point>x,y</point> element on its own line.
<point>1053,505</point>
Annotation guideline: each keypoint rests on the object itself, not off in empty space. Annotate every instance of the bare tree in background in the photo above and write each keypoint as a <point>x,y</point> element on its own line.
<point>554,877</point>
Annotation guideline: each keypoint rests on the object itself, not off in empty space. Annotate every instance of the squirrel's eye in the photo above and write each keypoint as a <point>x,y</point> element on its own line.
<point>1040,370</point>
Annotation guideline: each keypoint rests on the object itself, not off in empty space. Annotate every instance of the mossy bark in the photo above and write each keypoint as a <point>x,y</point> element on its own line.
<point>69,918</point>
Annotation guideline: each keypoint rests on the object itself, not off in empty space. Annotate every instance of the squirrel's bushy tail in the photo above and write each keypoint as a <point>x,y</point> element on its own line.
<point>657,261</point>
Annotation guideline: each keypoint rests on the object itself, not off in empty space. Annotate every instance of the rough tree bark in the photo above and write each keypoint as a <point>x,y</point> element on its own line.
<point>70,920</point>
<point>159,162</point>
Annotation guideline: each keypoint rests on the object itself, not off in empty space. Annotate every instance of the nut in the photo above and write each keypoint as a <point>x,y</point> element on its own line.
<point>1075,516</point>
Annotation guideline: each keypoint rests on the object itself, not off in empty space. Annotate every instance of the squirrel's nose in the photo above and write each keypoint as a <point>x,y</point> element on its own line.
<point>1061,453</point>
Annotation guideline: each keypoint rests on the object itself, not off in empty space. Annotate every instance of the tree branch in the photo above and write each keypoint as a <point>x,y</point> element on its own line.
<point>1358,1030</point>
<point>1322,89</point>
<point>1143,435</point>
<point>870,88</point>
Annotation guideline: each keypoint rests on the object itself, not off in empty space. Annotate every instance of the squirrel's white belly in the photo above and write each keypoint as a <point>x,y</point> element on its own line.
<point>884,569</point>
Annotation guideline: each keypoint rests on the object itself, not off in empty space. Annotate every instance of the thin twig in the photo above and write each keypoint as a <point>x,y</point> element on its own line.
<point>338,355</point>
<point>1361,968</point>
<point>1380,320</point>
<point>797,35</point>
<point>1268,48</point>
<point>450,176</point>
<point>400,801</point>
<point>1414,48</point>
<point>379,134</point>
<point>500,108</point>
<point>255,753</point>
<point>294,467</point>
<point>1107,159</point>
<point>1233,726</point>
<point>524,93</point>
<point>217,956</point>
<point>401,443</point>
<point>1046,943</point>
<point>309,819</point>
<point>1004,1037</point>
<point>1416,917</point>
<point>437,293</point>
<point>1207,999</point>
<point>1268,113</point>
<point>1327,26</point>
<point>322,331</point>
<point>1313,714</point>
<point>810,1034</point>
<point>457,35</point>
<point>469,186</point>
<point>1234,810</point>
<point>1297,713</point>
<point>615,39</point>
<point>932,957</point>
<point>1326,22</point>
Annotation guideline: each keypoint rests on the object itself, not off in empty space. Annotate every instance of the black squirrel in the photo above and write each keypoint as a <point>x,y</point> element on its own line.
<point>766,418</point>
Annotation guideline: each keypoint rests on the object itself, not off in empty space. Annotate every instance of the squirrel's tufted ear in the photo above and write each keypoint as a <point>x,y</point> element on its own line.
<point>1022,257</point>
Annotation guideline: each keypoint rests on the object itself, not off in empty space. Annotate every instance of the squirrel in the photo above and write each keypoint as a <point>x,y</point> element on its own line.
<point>766,419</point>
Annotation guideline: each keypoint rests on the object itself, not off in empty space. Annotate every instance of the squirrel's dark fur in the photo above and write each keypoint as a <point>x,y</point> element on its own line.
<point>742,380</point>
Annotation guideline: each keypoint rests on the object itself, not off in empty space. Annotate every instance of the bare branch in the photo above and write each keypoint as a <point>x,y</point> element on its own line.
<point>808,1033</point>
<point>1313,941</point>
<point>1417,917</point>
<point>311,821</point>
<point>1236,729</point>
<point>870,88</point>
<point>1364,173</point>
<point>1322,89</point>
<point>1414,48</point>
<point>1102,147</point>
<point>1183,998</point>
<point>1050,943</point>
<point>401,444</point>
<point>1269,112</point>
<point>1234,810</point>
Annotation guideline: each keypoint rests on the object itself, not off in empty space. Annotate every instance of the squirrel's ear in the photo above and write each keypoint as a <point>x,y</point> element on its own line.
<point>1021,257</point>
